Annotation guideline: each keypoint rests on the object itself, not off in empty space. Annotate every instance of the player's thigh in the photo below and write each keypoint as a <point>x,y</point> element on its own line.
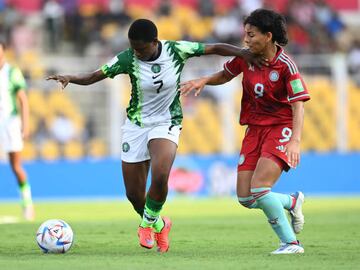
<point>15,159</point>
<point>163,142</point>
<point>266,173</point>
<point>243,184</point>
<point>135,176</point>
<point>162,153</point>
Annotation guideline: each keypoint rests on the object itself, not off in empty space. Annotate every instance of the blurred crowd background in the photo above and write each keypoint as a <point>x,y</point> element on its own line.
<point>74,36</point>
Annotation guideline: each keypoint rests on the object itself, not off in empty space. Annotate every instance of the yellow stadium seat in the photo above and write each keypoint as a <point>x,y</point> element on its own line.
<point>29,152</point>
<point>50,150</point>
<point>109,30</point>
<point>73,150</point>
<point>138,11</point>
<point>97,148</point>
<point>200,28</point>
<point>169,28</point>
<point>37,103</point>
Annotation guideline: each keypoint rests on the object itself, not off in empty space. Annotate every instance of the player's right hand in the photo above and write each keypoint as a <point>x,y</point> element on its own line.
<point>196,85</point>
<point>257,60</point>
<point>63,80</point>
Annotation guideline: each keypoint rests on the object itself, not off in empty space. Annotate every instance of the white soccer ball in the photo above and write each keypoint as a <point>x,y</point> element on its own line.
<point>54,236</point>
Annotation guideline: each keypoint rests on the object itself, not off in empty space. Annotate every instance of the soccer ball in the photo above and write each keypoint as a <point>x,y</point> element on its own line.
<point>54,236</point>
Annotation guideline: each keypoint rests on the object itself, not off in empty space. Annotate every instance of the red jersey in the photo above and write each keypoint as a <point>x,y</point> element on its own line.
<point>268,92</point>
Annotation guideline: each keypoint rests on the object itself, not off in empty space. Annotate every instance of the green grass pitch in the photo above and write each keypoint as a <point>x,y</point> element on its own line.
<point>207,234</point>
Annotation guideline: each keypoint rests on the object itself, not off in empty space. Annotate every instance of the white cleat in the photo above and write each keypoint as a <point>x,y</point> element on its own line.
<point>297,217</point>
<point>288,249</point>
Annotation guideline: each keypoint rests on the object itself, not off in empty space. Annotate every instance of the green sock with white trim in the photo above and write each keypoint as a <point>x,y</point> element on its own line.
<point>25,192</point>
<point>151,216</point>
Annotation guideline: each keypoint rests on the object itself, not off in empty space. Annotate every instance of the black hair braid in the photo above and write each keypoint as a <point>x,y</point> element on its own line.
<point>280,33</point>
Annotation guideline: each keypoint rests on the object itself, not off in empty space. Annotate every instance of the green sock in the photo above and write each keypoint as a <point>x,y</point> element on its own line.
<point>274,210</point>
<point>158,225</point>
<point>151,216</point>
<point>25,192</point>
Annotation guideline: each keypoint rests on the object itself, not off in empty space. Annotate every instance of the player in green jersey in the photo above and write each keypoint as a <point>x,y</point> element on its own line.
<point>154,115</point>
<point>14,125</point>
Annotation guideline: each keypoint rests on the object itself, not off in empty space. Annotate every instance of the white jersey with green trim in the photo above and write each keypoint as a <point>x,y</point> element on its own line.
<point>11,81</point>
<point>154,95</point>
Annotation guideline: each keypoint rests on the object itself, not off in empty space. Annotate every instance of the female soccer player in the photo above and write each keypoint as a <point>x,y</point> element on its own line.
<point>151,131</point>
<point>273,109</point>
<point>14,125</point>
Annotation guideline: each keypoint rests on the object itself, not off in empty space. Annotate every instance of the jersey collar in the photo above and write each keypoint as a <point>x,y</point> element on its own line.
<point>278,53</point>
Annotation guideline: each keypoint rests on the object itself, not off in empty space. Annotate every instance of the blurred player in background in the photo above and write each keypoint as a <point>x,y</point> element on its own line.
<point>273,109</point>
<point>154,115</point>
<point>14,125</point>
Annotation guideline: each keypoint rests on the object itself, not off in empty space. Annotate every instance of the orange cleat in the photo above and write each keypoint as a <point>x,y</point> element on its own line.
<point>162,238</point>
<point>146,237</point>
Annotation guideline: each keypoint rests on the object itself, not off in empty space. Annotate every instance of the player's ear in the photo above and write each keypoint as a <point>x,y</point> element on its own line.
<point>269,36</point>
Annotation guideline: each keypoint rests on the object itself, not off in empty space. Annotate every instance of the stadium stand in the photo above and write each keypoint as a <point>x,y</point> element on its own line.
<point>190,20</point>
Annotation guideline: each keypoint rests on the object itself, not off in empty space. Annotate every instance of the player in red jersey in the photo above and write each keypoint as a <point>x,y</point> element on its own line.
<point>272,107</point>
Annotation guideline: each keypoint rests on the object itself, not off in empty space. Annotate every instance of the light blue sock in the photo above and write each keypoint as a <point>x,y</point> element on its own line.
<point>285,199</point>
<point>273,209</point>
<point>248,202</point>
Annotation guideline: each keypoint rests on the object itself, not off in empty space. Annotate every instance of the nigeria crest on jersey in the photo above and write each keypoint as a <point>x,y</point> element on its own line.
<point>155,68</point>
<point>125,147</point>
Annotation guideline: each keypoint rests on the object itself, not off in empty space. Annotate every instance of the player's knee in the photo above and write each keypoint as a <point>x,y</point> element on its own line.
<point>249,203</point>
<point>159,187</point>
<point>244,205</point>
<point>160,179</point>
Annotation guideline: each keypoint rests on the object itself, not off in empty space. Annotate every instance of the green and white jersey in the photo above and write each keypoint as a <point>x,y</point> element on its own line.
<point>154,95</point>
<point>11,81</point>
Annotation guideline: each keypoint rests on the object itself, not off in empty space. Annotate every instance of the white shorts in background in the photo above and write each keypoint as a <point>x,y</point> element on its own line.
<point>135,139</point>
<point>10,135</point>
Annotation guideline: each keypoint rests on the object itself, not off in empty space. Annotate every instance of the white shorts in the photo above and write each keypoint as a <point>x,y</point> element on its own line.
<point>10,135</point>
<point>135,139</point>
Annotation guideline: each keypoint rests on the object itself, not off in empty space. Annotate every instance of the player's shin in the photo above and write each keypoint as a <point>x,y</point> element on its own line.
<point>273,209</point>
<point>286,200</point>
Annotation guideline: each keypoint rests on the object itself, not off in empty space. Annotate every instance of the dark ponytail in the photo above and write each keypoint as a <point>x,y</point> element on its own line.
<point>269,21</point>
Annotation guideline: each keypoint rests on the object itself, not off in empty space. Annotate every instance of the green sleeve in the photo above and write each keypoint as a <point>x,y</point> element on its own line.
<point>120,64</point>
<point>17,79</point>
<point>187,49</point>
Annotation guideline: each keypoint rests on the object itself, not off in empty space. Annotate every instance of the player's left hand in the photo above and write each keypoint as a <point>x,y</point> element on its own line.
<point>197,85</point>
<point>25,132</point>
<point>253,59</point>
<point>62,79</point>
<point>292,151</point>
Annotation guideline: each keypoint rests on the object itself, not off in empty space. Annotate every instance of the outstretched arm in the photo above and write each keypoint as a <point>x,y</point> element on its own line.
<point>82,79</point>
<point>198,85</point>
<point>231,50</point>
